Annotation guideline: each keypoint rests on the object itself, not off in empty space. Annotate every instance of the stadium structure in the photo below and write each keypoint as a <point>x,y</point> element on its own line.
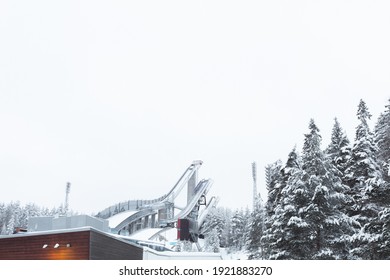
<point>133,229</point>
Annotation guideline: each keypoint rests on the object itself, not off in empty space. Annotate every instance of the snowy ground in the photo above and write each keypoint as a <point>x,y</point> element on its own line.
<point>240,255</point>
<point>168,239</point>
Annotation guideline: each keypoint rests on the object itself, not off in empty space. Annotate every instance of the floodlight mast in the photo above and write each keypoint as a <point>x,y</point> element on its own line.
<point>67,197</point>
<point>254,175</point>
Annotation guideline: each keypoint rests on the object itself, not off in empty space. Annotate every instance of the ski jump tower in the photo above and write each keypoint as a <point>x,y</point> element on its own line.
<point>190,177</point>
<point>133,215</point>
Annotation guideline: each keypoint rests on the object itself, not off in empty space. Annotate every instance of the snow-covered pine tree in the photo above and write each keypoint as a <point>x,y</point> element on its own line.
<point>339,149</point>
<point>13,212</point>
<point>329,227</point>
<point>226,236</point>
<point>247,220</point>
<point>2,219</point>
<point>275,222</point>
<point>212,241</point>
<point>382,140</point>
<point>367,187</point>
<point>339,153</point>
<point>258,247</point>
<point>216,219</point>
<point>3,230</point>
<point>383,251</point>
<point>290,235</point>
<point>363,164</point>
<point>238,230</point>
<point>308,223</point>
<point>256,231</point>
<point>273,179</point>
<point>11,225</point>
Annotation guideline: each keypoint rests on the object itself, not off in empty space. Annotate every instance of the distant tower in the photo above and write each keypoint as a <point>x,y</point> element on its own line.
<point>254,175</point>
<point>67,197</point>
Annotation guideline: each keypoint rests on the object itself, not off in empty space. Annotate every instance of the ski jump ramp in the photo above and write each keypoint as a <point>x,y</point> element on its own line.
<point>130,216</point>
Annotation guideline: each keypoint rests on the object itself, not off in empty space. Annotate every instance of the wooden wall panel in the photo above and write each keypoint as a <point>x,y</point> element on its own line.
<point>104,247</point>
<point>30,247</point>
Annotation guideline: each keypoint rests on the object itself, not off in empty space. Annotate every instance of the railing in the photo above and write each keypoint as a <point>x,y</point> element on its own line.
<point>157,203</point>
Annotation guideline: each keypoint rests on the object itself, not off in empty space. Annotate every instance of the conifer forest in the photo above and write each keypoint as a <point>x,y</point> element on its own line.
<point>331,203</point>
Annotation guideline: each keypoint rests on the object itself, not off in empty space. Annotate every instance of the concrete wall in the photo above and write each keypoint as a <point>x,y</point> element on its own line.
<point>55,223</point>
<point>40,223</point>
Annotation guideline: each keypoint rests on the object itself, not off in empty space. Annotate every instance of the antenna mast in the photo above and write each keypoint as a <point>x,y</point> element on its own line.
<point>254,175</point>
<point>67,197</point>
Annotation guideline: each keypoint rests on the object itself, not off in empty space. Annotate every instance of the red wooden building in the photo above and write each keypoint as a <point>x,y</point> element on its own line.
<point>84,243</point>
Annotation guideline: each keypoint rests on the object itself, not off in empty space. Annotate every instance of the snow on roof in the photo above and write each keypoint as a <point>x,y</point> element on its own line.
<point>115,220</point>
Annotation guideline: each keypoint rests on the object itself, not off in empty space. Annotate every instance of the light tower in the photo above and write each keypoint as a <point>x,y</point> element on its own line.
<point>67,197</point>
<point>254,175</point>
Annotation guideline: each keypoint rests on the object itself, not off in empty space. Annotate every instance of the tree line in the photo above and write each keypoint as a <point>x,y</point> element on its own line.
<point>332,203</point>
<point>14,215</point>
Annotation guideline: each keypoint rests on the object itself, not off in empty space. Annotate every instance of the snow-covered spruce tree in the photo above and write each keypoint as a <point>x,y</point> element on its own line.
<point>247,224</point>
<point>11,225</point>
<point>339,149</point>
<point>368,189</point>
<point>273,237</point>
<point>3,230</point>
<point>274,180</point>
<point>256,231</point>
<point>3,221</point>
<point>339,153</point>
<point>383,250</point>
<point>274,188</point>
<point>13,212</point>
<point>287,235</point>
<point>216,219</point>
<point>363,172</point>
<point>308,223</point>
<point>238,230</point>
<point>212,241</point>
<point>226,234</point>
<point>329,226</point>
<point>382,140</point>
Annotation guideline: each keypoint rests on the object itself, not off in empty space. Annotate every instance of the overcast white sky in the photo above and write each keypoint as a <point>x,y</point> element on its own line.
<point>119,97</point>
